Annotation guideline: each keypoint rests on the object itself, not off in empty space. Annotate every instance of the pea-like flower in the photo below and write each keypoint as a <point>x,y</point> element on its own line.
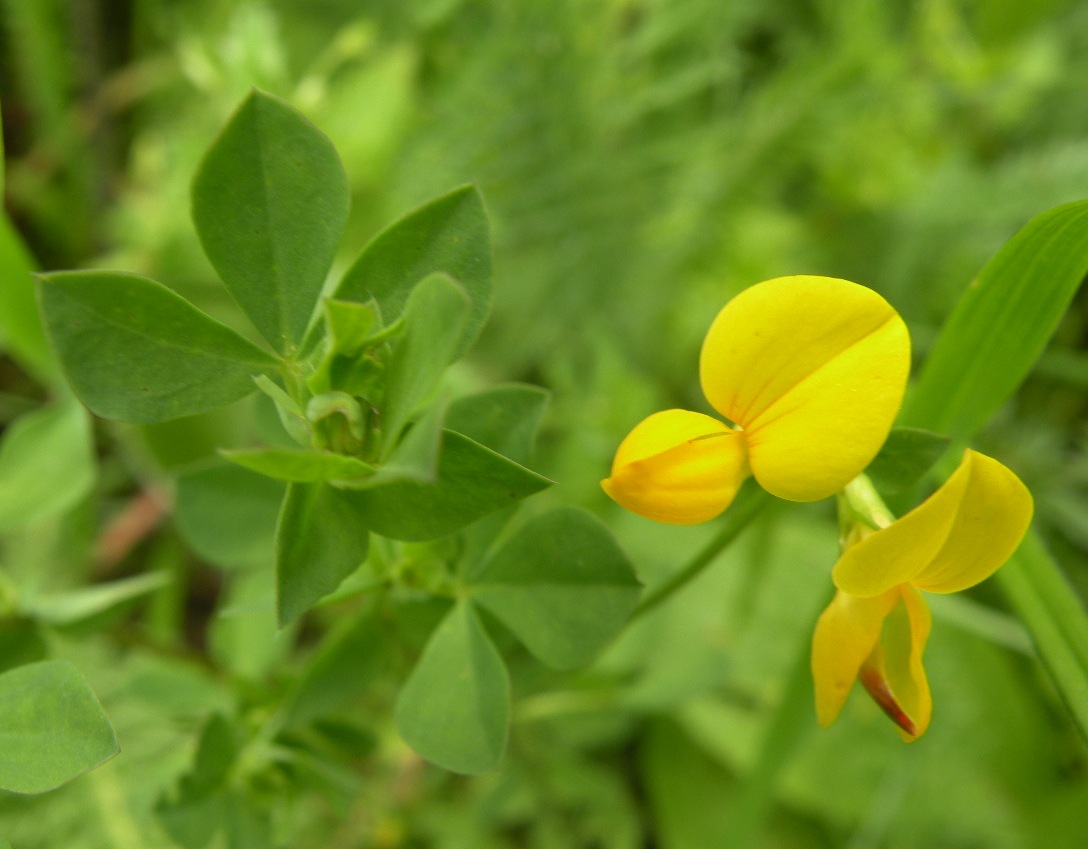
<point>808,371</point>
<point>875,629</point>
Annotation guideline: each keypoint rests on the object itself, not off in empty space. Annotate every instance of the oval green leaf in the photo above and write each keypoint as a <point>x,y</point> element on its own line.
<point>269,203</point>
<point>321,538</point>
<point>52,728</point>
<point>134,350</point>
<point>504,418</point>
<point>473,481</point>
<point>450,234</point>
<point>455,707</point>
<point>562,585</point>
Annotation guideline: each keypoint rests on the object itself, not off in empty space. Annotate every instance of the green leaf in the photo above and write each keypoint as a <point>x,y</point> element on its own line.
<point>449,234</point>
<point>561,585</point>
<point>270,202</point>
<point>228,515</point>
<point>433,319</point>
<point>472,482</point>
<point>52,728</point>
<point>215,754</point>
<point>351,330</point>
<point>349,326</point>
<point>134,350</point>
<point>417,454</point>
<point>75,606</point>
<point>907,455</point>
<point>505,418</point>
<point>321,538</point>
<point>21,330</point>
<point>1055,616</point>
<point>300,465</point>
<point>455,707</point>
<point>290,414</point>
<point>1001,324</point>
<point>47,464</point>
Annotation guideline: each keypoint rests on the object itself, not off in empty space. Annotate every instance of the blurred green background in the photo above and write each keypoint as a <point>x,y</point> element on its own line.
<point>642,161</point>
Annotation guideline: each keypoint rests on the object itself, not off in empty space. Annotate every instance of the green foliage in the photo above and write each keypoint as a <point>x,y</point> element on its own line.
<point>434,317</point>
<point>133,350</point>
<point>269,203</point>
<point>21,330</point>
<point>75,607</point>
<point>641,162</point>
<point>1001,325</point>
<point>472,482</point>
<point>46,464</point>
<point>1056,618</point>
<point>447,235</point>
<point>300,465</point>
<point>53,727</point>
<point>228,514</point>
<point>199,809</point>
<point>505,418</point>
<point>905,458</point>
<point>321,538</point>
<point>455,708</point>
<point>561,585</point>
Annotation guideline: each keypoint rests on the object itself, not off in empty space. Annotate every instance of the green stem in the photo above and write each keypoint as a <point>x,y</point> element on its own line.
<point>862,499</point>
<point>750,501</point>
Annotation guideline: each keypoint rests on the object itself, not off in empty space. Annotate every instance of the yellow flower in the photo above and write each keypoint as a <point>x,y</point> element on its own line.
<point>809,370</point>
<point>875,629</point>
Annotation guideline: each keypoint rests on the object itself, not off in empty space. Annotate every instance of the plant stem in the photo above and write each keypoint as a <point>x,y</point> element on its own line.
<point>750,501</point>
<point>865,502</point>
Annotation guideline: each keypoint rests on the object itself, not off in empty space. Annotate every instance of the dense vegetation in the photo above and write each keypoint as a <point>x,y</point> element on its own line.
<point>641,162</point>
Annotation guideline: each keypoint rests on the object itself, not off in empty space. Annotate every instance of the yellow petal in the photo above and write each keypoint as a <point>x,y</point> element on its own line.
<point>893,674</point>
<point>678,467</point>
<point>846,634</point>
<point>992,517</point>
<point>813,369</point>
<point>898,553</point>
<point>955,538</point>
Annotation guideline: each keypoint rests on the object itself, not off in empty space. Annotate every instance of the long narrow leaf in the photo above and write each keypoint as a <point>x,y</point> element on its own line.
<point>1049,606</point>
<point>1002,324</point>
